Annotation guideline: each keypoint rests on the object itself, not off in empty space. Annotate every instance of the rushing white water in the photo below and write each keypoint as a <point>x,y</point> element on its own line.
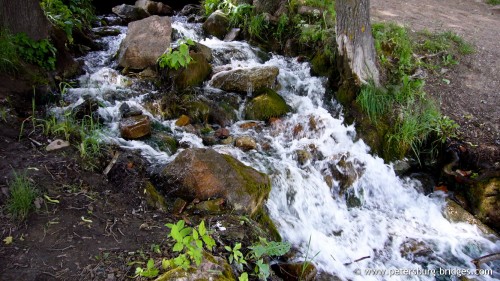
<point>315,217</point>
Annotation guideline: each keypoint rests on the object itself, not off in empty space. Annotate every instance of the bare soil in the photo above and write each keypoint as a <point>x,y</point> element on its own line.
<point>472,97</point>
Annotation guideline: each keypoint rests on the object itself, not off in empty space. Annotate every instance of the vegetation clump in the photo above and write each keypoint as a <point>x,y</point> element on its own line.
<point>22,195</point>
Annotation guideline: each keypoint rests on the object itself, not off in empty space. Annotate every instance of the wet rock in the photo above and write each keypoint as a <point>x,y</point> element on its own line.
<point>310,11</point>
<point>193,75</point>
<point>209,140</point>
<point>86,109</point>
<point>217,24</point>
<point>222,133</point>
<point>190,9</point>
<point>164,142</point>
<point>179,205</point>
<point>353,200</point>
<point>414,250</point>
<point>485,198</point>
<point>347,171</point>
<point>249,125</point>
<point>401,166</point>
<point>148,73</point>
<point>303,156</point>
<point>455,213</point>
<point>154,8</point>
<point>227,141</point>
<point>130,13</point>
<point>127,111</point>
<point>295,271</point>
<point>107,31</point>
<point>146,40</point>
<point>232,35</point>
<point>245,143</point>
<point>266,105</point>
<point>246,79</point>
<point>211,268</point>
<point>204,50</point>
<point>135,127</point>
<point>205,174</point>
<point>184,120</point>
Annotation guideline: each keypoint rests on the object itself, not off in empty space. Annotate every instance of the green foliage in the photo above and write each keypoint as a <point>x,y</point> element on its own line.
<point>257,26</point>
<point>493,2</point>
<point>211,6</point>
<point>77,14</point>
<point>178,58</point>
<point>243,277</point>
<point>9,59</point>
<point>189,241</point>
<point>240,16</point>
<point>264,249</point>
<point>41,53</point>
<point>22,195</point>
<point>236,255</point>
<point>149,272</point>
<point>374,101</point>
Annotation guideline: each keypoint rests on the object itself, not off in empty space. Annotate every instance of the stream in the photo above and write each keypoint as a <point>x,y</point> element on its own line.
<point>378,216</point>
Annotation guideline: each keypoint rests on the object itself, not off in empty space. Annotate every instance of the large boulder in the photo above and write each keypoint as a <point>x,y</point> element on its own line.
<point>194,74</point>
<point>266,105</point>
<point>217,24</point>
<point>146,40</point>
<point>485,198</point>
<point>154,8</point>
<point>130,13</point>
<point>455,213</point>
<point>246,79</point>
<point>206,174</point>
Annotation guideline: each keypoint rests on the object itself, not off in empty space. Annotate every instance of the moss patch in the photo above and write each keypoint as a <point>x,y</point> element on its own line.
<point>266,105</point>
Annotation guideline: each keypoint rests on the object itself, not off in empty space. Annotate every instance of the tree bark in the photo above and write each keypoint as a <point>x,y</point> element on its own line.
<point>24,16</point>
<point>355,42</point>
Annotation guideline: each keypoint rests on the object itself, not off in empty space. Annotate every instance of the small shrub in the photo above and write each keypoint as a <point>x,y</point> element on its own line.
<point>257,26</point>
<point>211,6</point>
<point>22,195</point>
<point>41,53</point>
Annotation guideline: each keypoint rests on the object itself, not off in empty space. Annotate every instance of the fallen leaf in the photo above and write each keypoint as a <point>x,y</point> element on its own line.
<point>8,240</point>
<point>442,188</point>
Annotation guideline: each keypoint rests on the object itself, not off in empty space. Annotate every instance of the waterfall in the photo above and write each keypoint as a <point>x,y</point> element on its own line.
<point>377,216</point>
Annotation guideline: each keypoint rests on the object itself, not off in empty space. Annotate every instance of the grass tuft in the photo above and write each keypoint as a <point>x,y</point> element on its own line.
<point>22,195</point>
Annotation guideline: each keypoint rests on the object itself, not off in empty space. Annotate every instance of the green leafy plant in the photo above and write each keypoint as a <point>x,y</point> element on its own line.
<point>77,14</point>
<point>264,249</point>
<point>257,26</point>
<point>41,52</point>
<point>178,58</point>
<point>189,241</point>
<point>151,271</point>
<point>236,255</point>
<point>240,16</point>
<point>211,6</point>
<point>22,195</point>
<point>243,277</point>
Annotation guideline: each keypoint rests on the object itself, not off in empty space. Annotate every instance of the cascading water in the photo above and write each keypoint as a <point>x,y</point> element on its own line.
<point>377,216</point>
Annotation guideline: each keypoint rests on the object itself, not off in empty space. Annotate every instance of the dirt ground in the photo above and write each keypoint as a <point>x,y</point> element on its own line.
<point>472,98</point>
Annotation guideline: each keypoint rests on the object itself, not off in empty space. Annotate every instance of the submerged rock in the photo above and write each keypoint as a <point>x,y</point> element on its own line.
<point>217,24</point>
<point>245,143</point>
<point>135,127</point>
<point>266,105</point>
<point>455,213</point>
<point>206,174</point>
<point>146,40</point>
<point>130,13</point>
<point>246,79</point>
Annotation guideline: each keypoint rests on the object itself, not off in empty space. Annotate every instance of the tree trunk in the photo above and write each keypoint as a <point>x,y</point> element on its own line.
<point>355,42</point>
<point>24,16</point>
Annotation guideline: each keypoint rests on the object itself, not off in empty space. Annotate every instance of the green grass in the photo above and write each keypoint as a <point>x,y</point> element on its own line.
<point>22,195</point>
<point>9,59</point>
<point>493,2</point>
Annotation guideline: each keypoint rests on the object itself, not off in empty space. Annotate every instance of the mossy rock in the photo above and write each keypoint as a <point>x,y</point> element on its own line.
<point>194,74</point>
<point>154,198</point>
<point>205,174</point>
<point>265,105</point>
<point>485,199</point>
<point>321,65</point>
